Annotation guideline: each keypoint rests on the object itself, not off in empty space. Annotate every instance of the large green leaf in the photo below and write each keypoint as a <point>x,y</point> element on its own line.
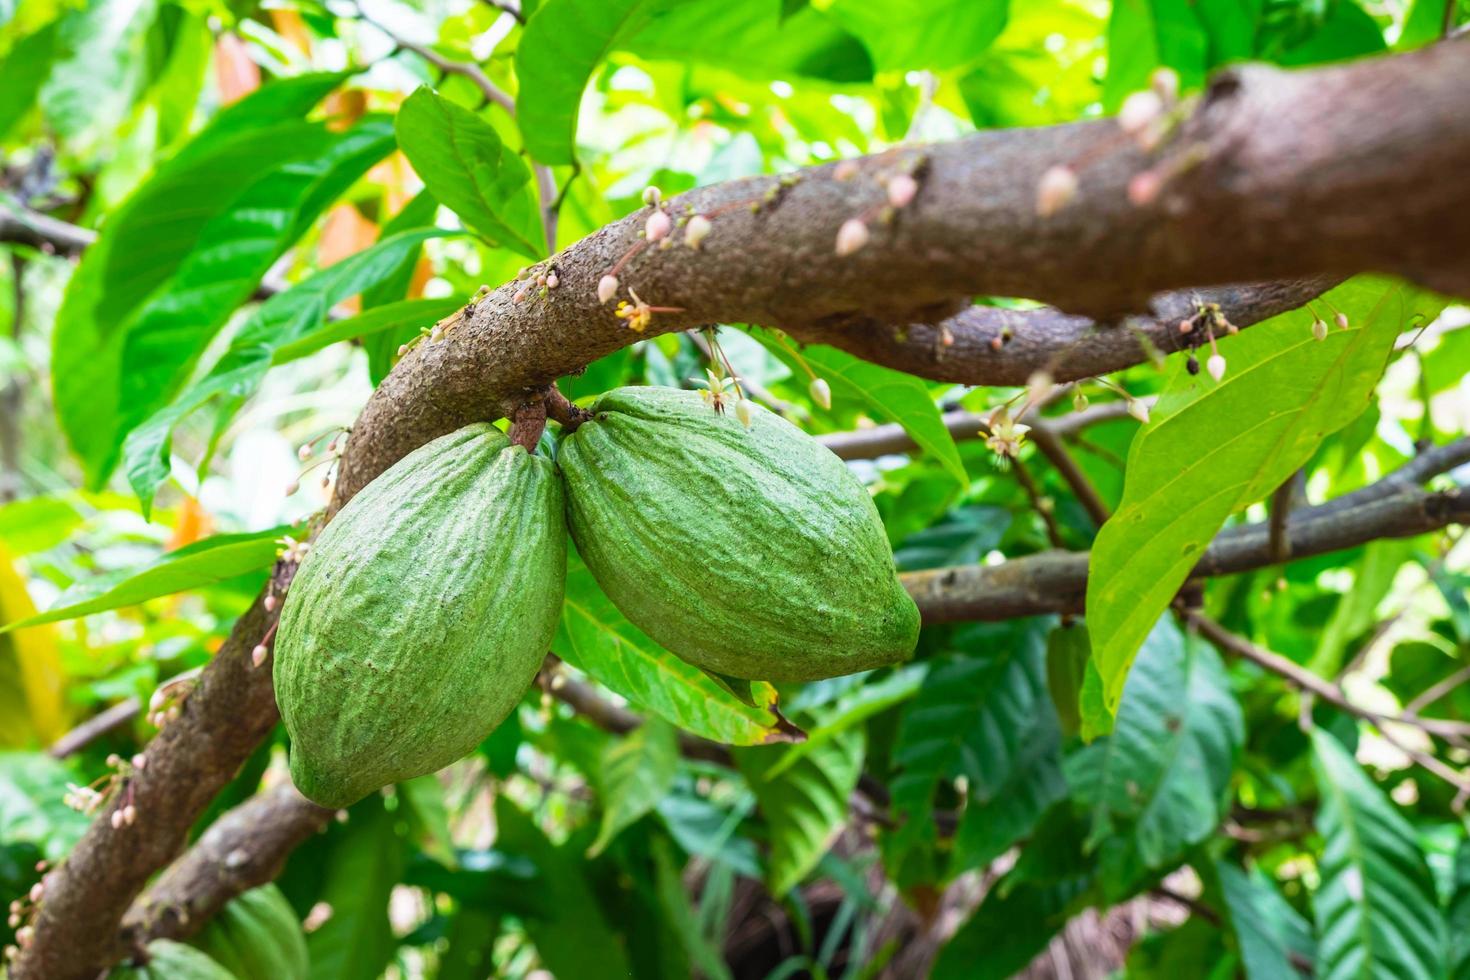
<point>1143,34</point>
<point>391,317</point>
<point>24,69</point>
<point>1377,913</point>
<point>806,806</point>
<point>147,238</point>
<point>284,319</point>
<point>36,523</point>
<point>215,559</point>
<point>637,770</point>
<point>356,942</point>
<point>936,34</point>
<point>1165,769</point>
<point>1458,915</point>
<point>1274,939</point>
<point>1008,930</point>
<point>597,639</point>
<point>985,718</point>
<point>382,348</point>
<point>1217,447</point>
<point>98,71</point>
<point>564,41</point>
<point>890,395</point>
<point>467,168</point>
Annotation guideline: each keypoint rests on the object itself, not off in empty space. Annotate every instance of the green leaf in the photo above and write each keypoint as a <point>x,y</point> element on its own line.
<point>1377,913</point>
<point>357,941</point>
<point>1215,448</point>
<point>36,524</point>
<point>283,319</point>
<point>675,902</point>
<point>382,348</point>
<point>1008,930</point>
<point>32,785</point>
<point>892,396</point>
<point>637,770</point>
<point>1268,930</point>
<point>853,709</point>
<point>1458,915</point>
<point>24,69</point>
<point>97,72</point>
<point>1166,766</point>
<point>599,641</point>
<point>563,42</point>
<point>1067,649</point>
<point>392,317</point>
<point>908,36</point>
<point>215,559</point>
<point>1356,611</point>
<point>466,167</point>
<point>1144,34</point>
<point>806,806</point>
<point>422,800</point>
<point>986,719</point>
<point>573,938</point>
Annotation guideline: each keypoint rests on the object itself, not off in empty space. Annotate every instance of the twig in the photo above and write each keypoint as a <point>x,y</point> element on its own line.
<point>1280,514</point>
<point>95,727</point>
<point>1040,503</point>
<point>1436,691</point>
<point>1052,447</point>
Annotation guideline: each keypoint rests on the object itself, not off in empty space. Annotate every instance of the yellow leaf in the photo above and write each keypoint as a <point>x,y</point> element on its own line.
<point>31,678</point>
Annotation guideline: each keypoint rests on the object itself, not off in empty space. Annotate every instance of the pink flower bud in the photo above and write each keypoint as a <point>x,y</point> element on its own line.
<point>1186,326</point>
<point>1342,320</point>
<point>130,814</point>
<point>697,230</point>
<point>258,655</point>
<point>291,488</point>
<point>852,236</point>
<point>901,190</point>
<point>37,890</point>
<point>140,762</point>
<point>402,349</point>
<point>821,392</point>
<point>304,453</point>
<point>520,296</point>
<point>1216,366</point>
<point>552,280</point>
<point>1165,81</point>
<point>1139,112</point>
<point>607,288</point>
<point>158,700</point>
<point>1144,187</point>
<point>1055,190</point>
<point>271,602</point>
<point>116,820</point>
<point>658,226</point>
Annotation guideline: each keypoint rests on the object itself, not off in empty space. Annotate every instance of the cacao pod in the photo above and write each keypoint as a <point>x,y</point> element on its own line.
<point>751,552</point>
<point>257,937</point>
<point>420,615</point>
<point>168,960</point>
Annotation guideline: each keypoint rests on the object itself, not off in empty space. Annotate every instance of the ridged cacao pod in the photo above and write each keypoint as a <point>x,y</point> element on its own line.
<point>751,552</point>
<point>420,615</point>
<point>257,937</point>
<point>168,960</point>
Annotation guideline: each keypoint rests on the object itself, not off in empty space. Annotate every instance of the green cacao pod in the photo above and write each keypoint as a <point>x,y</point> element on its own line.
<point>168,960</point>
<point>751,552</point>
<point>257,937</point>
<point>420,615</point>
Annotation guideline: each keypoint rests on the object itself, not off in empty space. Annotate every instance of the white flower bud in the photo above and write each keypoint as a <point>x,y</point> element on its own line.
<point>658,226</point>
<point>158,700</point>
<point>13,920</point>
<point>174,713</point>
<point>607,288</point>
<point>652,196</point>
<point>821,392</point>
<point>292,487</point>
<point>901,190</point>
<point>37,890</point>
<point>1055,190</point>
<point>1139,112</point>
<point>271,602</point>
<point>130,814</point>
<point>258,655</point>
<point>402,349</point>
<point>1039,385</point>
<point>852,236</point>
<point>113,760</point>
<point>1079,401</point>
<point>1144,188</point>
<point>1216,366</point>
<point>1319,328</point>
<point>1138,409</point>
<point>697,230</point>
<point>116,820</point>
<point>140,762</point>
<point>742,412</point>
<point>1165,81</point>
<point>24,935</point>
<point>520,296</point>
<point>304,453</point>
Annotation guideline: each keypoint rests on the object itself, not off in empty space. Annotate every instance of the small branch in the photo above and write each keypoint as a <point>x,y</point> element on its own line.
<point>1051,446</point>
<point>472,72</point>
<point>22,226</point>
<point>1280,513</point>
<point>1040,503</point>
<point>560,410</point>
<point>1436,691</point>
<point>95,727</point>
<point>508,7</point>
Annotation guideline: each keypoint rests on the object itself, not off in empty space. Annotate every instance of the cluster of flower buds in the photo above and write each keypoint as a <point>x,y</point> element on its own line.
<point>167,703</point>
<point>23,911</point>
<point>1147,115</point>
<point>291,550</point>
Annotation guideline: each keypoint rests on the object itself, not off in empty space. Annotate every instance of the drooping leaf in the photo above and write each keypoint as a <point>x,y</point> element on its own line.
<point>357,941</point>
<point>1275,941</point>
<point>637,770</point>
<point>676,905</point>
<point>382,348</point>
<point>937,35</point>
<point>1165,769</point>
<point>31,675</point>
<point>806,806</point>
<point>467,168</point>
<point>283,319</point>
<point>564,41</point>
<point>215,559</point>
<point>854,708</point>
<point>1377,913</point>
<point>1067,648</point>
<point>597,639</point>
<point>892,396</point>
<point>1216,447</point>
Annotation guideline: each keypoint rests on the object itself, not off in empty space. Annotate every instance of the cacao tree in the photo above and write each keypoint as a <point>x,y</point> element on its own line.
<point>734,488</point>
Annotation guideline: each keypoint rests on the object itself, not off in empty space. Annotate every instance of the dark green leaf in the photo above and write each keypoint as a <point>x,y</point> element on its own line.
<point>382,348</point>
<point>1270,933</point>
<point>938,35</point>
<point>202,563</point>
<point>356,942</point>
<point>637,770</point>
<point>1067,649</point>
<point>32,785</point>
<point>1377,914</point>
<point>1144,34</point>
<point>467,168</point>
<point>1008,930</point>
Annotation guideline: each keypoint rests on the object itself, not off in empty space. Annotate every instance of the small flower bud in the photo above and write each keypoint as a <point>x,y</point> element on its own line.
<point>292,487</point>
<point>130,814</point>
<point>1055,190</point>
<point>846,170</point>
<point>436,335</point>
<point>520,295</point>
<point>140,762</point>
<point>37,890</point>
<point>1216,366</point>
<point>1319,328</point>
<point>742,412</point>
<point>13,920</point>
<point>1079,401</point>
<point>158,700</point>
<point>652,196</point>
<point>113,760</point>
<point>116,820</point>
<point>852,236</point>
<point>1165,81</point>
<point>821,392</point>
<point>697,230</point>
<point>607,288</point>
<point>997,342</point>
<point>258,655</point>
<point>1186,326</point>
<point>552,280</point>
<point>1342,320</point>
<point>901,190</point>
<point>304,453</point>
<point>174,713</point>
<point>24,935</point>
<point>1138,409</point>
<point>1039,385</point>
<point>402,349</point>
<point>271,602</point>
<point>1144,187</point>
<point>658,226</point>
<point>1139,111</point>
